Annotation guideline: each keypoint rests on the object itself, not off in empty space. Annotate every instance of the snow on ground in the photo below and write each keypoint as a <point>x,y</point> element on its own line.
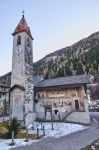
<point>4,144</point>
<point>2,119</point>
<point>59,129</point>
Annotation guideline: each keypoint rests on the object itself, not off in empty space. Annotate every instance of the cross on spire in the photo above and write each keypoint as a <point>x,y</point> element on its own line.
<point>23,12</point>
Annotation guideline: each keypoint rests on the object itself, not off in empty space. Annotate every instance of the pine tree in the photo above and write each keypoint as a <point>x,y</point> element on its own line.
<point>13,126</point>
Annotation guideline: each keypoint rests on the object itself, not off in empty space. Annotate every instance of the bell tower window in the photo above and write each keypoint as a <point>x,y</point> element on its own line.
<point>19,40</point>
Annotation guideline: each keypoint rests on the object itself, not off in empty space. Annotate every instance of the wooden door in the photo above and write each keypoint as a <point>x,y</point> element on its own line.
<point>76,105</point>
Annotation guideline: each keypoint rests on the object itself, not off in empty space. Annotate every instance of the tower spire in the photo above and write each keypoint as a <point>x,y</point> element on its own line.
<point>23,26</point>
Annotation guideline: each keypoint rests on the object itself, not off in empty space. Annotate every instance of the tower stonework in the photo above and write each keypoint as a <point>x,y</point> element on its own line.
<point>21,105</point>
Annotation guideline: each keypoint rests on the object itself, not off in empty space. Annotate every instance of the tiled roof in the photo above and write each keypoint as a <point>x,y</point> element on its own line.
<point>22,26</point>
<point>64,81</point>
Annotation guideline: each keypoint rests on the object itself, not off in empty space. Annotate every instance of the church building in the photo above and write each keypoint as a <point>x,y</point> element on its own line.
<point>33,98</point>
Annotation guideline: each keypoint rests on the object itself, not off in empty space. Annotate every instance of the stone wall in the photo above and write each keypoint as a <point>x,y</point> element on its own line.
<point>28,74</point>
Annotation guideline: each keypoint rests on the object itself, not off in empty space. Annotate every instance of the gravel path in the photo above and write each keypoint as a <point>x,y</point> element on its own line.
<point>74,141</point>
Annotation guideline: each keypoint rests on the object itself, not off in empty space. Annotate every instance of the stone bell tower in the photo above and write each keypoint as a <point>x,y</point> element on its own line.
<point>21,105</point>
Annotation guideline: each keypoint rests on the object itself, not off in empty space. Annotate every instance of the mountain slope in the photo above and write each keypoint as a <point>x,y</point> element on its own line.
<point>81,57</point>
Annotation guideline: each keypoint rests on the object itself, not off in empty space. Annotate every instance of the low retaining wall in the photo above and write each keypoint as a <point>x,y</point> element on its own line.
<point>79,117</point>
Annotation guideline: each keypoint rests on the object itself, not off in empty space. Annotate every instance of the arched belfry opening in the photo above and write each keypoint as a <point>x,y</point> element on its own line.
<point>19,40</point>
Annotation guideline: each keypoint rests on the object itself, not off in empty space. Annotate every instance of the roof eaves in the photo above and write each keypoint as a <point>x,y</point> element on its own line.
<point>17,86</point>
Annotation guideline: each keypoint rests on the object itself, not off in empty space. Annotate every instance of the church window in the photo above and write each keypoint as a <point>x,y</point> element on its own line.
<point>19,40</point>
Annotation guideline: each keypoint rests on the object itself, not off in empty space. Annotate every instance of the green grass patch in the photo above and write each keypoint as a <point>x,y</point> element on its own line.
<point>93,146</point>
<point>3,130</point>
<point>30,136</point>
<point>3,126</point>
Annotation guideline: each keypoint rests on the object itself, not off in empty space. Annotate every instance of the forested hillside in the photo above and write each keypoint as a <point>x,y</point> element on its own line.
<point>82,57</point>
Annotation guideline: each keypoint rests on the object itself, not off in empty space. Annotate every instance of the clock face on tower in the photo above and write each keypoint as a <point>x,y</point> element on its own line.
<point>18,51</point>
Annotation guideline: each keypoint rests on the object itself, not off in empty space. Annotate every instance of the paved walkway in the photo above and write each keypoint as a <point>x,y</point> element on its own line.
<point>74,141</point>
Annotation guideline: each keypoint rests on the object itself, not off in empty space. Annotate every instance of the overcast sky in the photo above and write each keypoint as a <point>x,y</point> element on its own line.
<point>54,24</point>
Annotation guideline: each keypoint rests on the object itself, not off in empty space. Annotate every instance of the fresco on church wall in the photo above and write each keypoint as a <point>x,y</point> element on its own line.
<point>62,97</point>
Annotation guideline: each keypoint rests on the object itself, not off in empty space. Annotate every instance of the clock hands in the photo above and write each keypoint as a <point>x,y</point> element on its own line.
<point>18,51</point>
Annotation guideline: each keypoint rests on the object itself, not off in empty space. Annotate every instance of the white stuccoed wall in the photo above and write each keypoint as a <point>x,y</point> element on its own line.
<point>16,106</point>
<point>18,64</point>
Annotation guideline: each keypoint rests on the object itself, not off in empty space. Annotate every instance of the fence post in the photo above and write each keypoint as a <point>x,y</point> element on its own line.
<point>37,133</point>
<point>12,142</point>
<point>52,125</point>
<point>26,135</point>
<point>43,131</point>
<point>32,126</point>
<point>3,119</point>
<point>41,126</point>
